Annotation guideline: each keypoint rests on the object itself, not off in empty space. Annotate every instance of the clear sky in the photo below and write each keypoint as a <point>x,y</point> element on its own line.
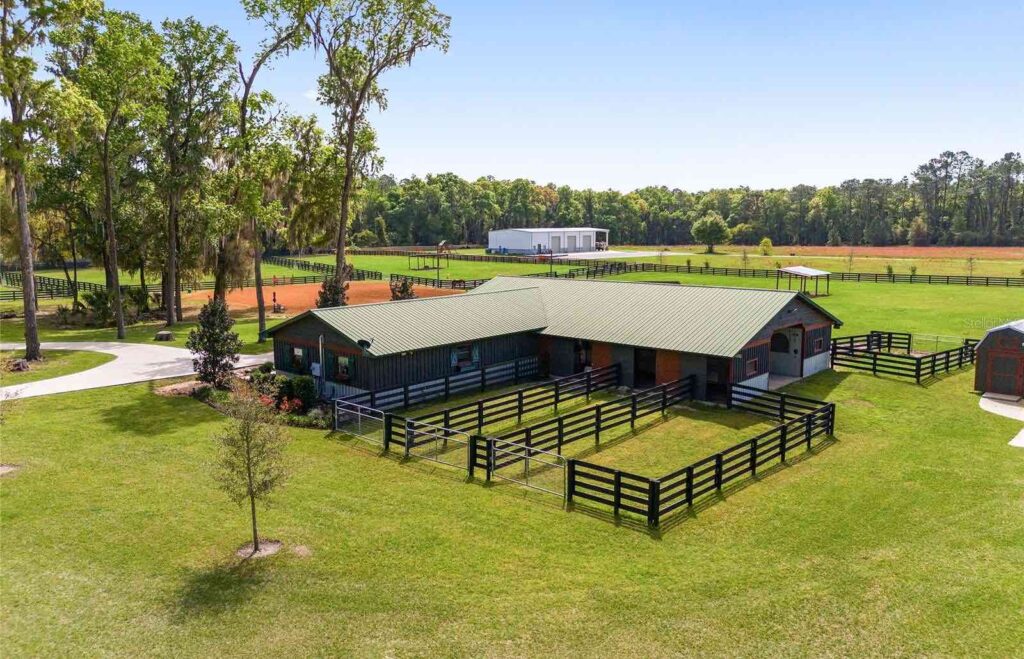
<point>618,94</point>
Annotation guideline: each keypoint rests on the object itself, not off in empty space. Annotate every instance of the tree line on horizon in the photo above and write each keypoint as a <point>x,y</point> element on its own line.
<point>953,199</point>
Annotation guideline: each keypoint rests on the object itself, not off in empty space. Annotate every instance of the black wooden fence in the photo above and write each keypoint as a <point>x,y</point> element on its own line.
<point>553,434</point>
<point>513,371</point>
<point>871,277</point>
<point>434,282</point>
<point>803,424</point>
<point>873,352</point>
<point>486,412</point>
<point>358,274</point>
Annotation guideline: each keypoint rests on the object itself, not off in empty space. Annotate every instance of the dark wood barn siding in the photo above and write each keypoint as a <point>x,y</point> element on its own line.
<point>811,336</point>
<point>760,352</point>
<point>796,312</point>
<point>306,333</point>
<point>1004,342</point>
<point>376,373</point>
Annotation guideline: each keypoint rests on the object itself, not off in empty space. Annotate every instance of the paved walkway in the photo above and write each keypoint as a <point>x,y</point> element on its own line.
<point>1007,408</point>
<point>134,362</point>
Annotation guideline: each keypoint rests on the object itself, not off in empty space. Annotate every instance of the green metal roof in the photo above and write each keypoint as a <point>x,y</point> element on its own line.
<point>394,327</point>
<point>706,320</point>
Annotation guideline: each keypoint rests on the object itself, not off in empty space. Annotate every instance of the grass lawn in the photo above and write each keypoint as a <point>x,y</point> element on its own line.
<point>247,329</point>
<point>55,363</point>
<point>451,270</point>
<point>117,541</point>
<point>995,267</point>
<point>961,311</point>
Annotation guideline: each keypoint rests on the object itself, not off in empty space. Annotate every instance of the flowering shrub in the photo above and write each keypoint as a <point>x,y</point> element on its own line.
<point>290,405</point>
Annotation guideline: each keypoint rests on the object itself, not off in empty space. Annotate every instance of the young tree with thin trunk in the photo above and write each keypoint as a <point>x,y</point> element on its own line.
<point>360,40</point>
<point>251,463</point>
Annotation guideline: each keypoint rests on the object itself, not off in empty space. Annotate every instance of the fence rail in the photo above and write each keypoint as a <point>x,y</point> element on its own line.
<point>326,269</point>
<point>511,371</point>
<point>873,352</point>
<point>514,405</point>
<point>432,282</point>
<point>553,434</point>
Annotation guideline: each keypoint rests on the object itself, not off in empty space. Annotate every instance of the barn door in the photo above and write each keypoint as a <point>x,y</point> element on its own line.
<point>1005,374</point>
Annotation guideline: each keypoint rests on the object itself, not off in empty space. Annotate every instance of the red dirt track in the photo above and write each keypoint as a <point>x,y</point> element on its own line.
<point>297,298</point>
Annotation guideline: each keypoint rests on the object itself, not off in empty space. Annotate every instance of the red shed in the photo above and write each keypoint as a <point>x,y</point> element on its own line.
<point>1000,360</point>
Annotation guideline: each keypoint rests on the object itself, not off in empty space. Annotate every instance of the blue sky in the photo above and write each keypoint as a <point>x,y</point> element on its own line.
<point>685,94</point>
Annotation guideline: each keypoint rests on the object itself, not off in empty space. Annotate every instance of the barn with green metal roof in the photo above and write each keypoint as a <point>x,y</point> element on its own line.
<point>655,332</point>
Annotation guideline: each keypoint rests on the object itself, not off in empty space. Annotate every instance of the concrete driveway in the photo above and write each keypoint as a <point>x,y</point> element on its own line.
<point>134,362</point>
<point>1010,408</point>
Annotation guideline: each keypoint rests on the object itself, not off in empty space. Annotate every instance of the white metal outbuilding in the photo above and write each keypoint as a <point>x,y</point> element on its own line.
<point>545,241</point>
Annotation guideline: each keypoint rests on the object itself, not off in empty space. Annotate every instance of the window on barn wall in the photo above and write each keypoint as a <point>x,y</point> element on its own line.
<point>752,365</point>
<point>298,358</point>
<point>819,344</point>
<point>464,356</point>
<point>342,369</point>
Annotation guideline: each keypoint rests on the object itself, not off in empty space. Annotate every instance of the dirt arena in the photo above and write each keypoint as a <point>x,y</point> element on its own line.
<point>297,298</point>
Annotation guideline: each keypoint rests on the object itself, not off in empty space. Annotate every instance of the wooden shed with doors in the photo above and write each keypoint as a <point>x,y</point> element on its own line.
<point>999,363</point>
<point>661,332</point>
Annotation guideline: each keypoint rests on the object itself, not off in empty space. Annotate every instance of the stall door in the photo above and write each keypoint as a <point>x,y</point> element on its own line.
<point>570,243</point>
<point>588,242</point>
<point>1005,374</point>
<point>644,368</point>
<point>556,243</point>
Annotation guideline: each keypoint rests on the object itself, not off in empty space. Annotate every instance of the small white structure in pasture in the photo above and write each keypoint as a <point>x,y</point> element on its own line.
<point>547,241</point>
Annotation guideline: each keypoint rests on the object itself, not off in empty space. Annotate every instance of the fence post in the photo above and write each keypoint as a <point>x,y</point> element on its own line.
<point>588,385</point>
<point>654,504</point>
<point>632,412</point>
<point>490,457</point>
<point>728,395</point>
<point>808,426</point>
<point>561,434</point>
<point>558,393</point>
<point>917,370</point>
<point>784,431</point>
<point>519,407</point>
<point>388,430</point>
<point>832,419</point>
<point>597,424</point>
<point>689,485</point>
<point>874,363</point>
<point>447,386</point>
<point>409,434</point>
<point>483,378</point>
<point>480,416</point>
<point>664,400</point>
<point>471,455</point>
<point>782,407</point>
<point>570,479</point>
<point>616,491</point>
<point>753,457</point>
<point>718,472</point>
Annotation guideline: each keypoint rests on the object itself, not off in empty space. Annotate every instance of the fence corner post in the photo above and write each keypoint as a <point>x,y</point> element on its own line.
<point>654,503</point>
<point>389,421</point>
<point>570,479</point>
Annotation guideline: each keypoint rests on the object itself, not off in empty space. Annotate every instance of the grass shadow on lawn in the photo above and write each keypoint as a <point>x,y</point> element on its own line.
<point>221,588</point>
